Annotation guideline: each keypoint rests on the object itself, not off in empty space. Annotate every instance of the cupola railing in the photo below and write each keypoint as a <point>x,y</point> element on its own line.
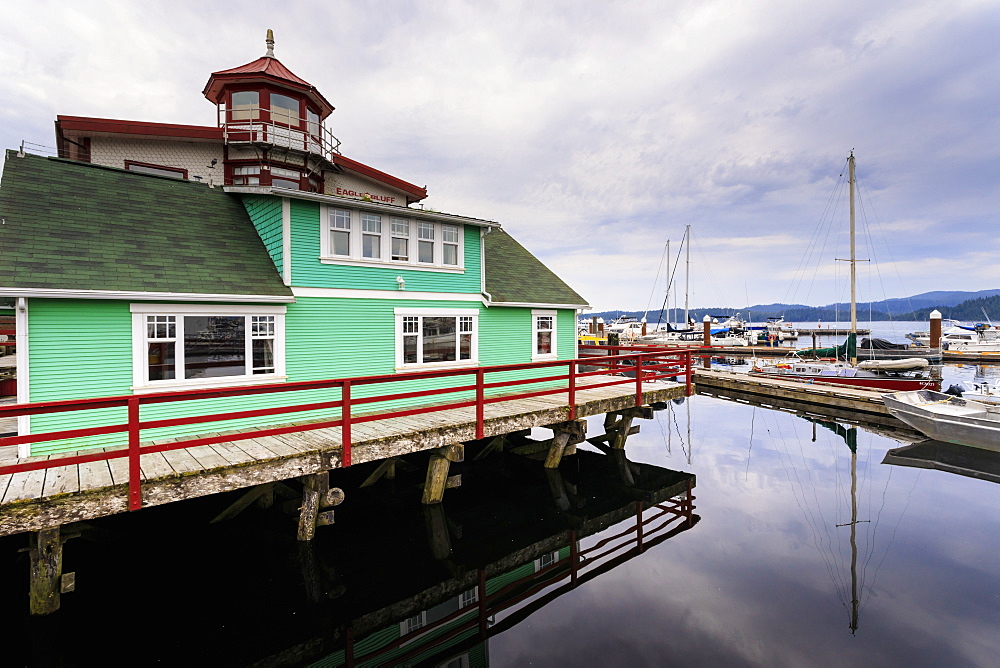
<point>276,127</point>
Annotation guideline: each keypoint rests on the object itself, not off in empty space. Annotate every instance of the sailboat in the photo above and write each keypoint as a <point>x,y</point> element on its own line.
<point>896,375</point>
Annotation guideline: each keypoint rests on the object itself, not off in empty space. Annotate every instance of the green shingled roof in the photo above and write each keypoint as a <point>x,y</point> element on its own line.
<point>70,225</point>
<point>516,276</point>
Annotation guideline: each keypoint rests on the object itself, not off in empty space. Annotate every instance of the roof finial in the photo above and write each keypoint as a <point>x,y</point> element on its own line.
<point>270,44</point>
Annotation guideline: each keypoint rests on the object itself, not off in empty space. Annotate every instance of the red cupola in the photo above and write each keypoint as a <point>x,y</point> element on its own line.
<point>272,122</point>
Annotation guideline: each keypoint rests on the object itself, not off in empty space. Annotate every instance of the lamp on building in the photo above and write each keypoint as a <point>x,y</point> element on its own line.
<point>400,282</point>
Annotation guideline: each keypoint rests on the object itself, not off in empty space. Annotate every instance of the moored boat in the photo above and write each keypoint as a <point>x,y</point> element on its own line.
<point>947,418</point>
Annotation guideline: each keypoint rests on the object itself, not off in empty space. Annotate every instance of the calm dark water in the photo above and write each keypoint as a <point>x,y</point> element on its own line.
<point>758,573</point>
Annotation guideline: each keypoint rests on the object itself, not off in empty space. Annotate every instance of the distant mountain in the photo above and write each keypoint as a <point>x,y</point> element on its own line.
<point>959,305</point>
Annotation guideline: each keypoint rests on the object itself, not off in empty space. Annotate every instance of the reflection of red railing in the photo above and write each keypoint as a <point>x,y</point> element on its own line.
<point>645,367</point>
<point>581,566</point>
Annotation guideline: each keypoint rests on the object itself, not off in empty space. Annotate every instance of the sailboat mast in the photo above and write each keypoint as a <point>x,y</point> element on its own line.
<point>854,294</point>
<point>687,273</point>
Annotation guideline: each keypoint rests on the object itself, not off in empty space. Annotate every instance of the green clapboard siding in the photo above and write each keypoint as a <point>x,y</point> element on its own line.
<point>83,348</point>
<point>265,213</point>
<point>308,271</point>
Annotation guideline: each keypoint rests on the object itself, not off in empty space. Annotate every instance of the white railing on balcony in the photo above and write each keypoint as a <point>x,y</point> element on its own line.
<point>277,127</point>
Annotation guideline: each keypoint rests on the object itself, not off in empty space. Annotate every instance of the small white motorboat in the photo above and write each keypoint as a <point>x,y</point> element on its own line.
<point>948,418</point>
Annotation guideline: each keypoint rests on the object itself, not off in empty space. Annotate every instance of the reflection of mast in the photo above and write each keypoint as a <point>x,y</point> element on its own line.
<point>852,442</point>
<point>850,436</point>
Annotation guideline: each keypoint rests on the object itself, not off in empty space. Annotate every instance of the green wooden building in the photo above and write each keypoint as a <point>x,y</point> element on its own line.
<point>131,273</point>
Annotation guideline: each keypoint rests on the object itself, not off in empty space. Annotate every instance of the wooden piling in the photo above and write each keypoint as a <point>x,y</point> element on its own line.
<point>437,472</point>
<point>564,434</point>
<point>935,329</point>
<point>309,510</point>
<point>46,571</point>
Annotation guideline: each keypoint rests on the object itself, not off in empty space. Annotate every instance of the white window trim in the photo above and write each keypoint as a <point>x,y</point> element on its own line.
<point>140,363</point>
<point>535,356</point>
<point>401,312</point>
<point>356,257</point>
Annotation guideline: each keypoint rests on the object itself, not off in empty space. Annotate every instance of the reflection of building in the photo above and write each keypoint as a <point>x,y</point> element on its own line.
<point>495,562</point>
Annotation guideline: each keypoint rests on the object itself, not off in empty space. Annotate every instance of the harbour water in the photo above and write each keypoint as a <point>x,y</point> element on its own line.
<point>763,570</point>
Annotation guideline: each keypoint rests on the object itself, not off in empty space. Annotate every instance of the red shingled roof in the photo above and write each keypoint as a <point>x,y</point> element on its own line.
<point>266,65</point>
<point>265,68</point>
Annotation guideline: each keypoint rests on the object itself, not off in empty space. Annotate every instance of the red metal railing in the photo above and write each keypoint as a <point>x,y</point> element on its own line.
<point>633,367</point>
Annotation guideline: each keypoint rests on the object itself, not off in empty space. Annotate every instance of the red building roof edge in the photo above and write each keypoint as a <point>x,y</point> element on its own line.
<point>270,68</point>
<point>371,172</point>
<point>85,124</point>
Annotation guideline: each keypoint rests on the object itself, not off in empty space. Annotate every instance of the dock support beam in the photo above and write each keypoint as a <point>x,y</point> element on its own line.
<point>46,553</point>
<point>318,499</point>
<point>437,472</point>
<point>564,436</point>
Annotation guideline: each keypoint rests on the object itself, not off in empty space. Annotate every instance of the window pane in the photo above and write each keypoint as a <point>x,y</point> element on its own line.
<point>449,233</point>
<point>425,251</point>
<point>340,219</point>
<point>425,230</point>
<point>263,356</point>
<point>450,254</point>
<point>214,346</point>
<point>340,242</point>
<point>544,343</point>
<point>409,350</point>
<point>245,106</point>
<point>159,171</point>
<point>284,109</point>
<point>285,183</point>
<point>400,249</point>
<point>465,346</point>
<point>370,244</point>
<point>439,339</point>
<point>161,360</point>
<point>400,227</point>
<point>371,223</point>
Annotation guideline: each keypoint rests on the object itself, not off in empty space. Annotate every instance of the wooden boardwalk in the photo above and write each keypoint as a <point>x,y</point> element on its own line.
<point>36,500</point>
<point>838,396</point>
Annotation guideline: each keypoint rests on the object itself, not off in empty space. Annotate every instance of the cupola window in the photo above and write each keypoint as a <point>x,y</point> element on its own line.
<point>245,106</point>
<point>284,109</point>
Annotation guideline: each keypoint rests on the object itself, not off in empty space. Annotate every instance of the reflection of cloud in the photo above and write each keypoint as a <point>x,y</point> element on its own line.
<point>756,582</point>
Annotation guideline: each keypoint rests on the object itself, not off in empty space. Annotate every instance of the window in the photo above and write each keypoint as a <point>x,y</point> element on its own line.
<point>400,239</point>
<point>340,232</point>
<point>246,176</point>
<point>158,170</point>
<point>312,123</point>
<point>245,106</point>
<point>207,344</point>
<point>425,243</point>
<point>371,235</point>
<point>282,177</point>
<point>435,337</point>
<point>449,234</point>
<point>543,335</point>
<point>393,240</point>
<point>284,109</point>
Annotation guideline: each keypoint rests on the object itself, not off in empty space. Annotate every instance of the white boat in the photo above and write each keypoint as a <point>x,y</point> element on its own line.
<point>958,334</point>
<point>947,418</point>
<point>901,374</point>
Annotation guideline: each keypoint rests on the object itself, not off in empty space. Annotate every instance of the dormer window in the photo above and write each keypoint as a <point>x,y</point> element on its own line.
<point>390,241</point>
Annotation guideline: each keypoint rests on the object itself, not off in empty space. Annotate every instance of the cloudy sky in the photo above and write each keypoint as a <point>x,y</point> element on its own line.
<point>594,132</point>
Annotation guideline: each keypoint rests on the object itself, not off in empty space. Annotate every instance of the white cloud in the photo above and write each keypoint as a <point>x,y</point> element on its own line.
<point>606,129</point>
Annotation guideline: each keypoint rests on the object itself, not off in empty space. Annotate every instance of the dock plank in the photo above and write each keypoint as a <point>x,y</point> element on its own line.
<point>61,480</point>
<point>95,475</point>
<point>182,461</point>
<point>253,447</point>
<point>118,468</point>
<point>206,457</point>
<point>25,485</point>
<point>154,465</point>
<point>231,453</point>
